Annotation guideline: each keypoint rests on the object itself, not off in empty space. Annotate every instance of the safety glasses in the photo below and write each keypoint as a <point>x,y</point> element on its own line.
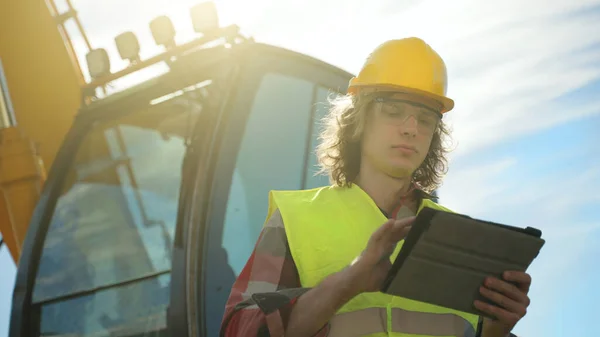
<point>397,111</point>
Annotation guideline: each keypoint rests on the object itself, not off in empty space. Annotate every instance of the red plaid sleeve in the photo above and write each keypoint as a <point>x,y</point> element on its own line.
<point>264,293</point>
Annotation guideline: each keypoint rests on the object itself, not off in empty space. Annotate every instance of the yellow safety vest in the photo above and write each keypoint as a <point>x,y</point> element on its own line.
<point>327,228</point>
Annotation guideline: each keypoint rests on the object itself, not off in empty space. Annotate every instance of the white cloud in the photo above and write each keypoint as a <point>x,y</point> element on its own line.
<point>462,190</point>
<point>500,191</point>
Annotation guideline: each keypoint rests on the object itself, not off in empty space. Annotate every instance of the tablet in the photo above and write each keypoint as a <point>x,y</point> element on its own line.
<point>446,257</point>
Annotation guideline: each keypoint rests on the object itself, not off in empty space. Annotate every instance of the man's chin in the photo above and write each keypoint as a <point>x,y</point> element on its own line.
<point>400,171</point>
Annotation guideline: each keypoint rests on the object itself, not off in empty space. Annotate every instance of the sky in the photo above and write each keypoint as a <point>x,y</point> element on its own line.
<point>525,76</point>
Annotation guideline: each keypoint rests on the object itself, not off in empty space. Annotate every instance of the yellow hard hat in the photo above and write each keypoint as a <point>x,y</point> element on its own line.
<point>407,65</point>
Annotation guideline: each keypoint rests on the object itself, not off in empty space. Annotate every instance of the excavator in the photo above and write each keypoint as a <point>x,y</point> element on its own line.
<point>155,192</point>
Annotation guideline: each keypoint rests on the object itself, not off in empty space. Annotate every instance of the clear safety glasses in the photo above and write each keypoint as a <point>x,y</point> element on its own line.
<point>397,111</point>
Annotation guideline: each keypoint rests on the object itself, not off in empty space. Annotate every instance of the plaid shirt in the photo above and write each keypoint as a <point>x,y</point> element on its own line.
<point>264,293</point>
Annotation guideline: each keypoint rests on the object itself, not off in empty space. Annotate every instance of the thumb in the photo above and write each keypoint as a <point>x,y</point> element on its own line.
<point>400,229</point>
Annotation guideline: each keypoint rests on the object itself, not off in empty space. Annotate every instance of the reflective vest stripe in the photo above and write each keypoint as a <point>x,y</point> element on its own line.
<point>432,324</point>
<point>374,320</point>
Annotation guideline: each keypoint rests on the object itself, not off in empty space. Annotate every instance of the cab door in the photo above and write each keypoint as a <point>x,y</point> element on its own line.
<point>266,142</point>
<point>98,256</point>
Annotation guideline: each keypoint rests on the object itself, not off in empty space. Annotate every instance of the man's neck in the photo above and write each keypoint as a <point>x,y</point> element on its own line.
<point>382,188</point>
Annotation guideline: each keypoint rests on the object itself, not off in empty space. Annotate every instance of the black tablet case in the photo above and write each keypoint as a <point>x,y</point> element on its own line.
<point>447,256</point>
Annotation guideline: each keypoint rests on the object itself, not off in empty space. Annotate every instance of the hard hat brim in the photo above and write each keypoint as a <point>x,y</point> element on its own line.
<point>446,103</point>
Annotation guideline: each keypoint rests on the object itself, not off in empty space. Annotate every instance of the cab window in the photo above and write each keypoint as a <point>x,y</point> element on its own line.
<point>271,155</point>
<point>276,152</point>
<point>106,259</point>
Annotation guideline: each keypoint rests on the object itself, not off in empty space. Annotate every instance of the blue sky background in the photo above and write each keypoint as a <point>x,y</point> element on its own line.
<point>525,76</point>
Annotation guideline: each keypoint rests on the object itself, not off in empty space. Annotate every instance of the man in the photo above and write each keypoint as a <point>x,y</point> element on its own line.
<point>323,253</point>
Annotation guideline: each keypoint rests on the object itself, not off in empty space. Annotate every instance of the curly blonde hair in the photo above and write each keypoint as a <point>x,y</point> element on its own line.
<point>339,150</point>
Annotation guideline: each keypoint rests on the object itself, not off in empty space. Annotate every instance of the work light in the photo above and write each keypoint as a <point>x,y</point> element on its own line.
<point>204,17</point>
<point>163,31</point>
<point>98,63</point>
<point>128,46</point>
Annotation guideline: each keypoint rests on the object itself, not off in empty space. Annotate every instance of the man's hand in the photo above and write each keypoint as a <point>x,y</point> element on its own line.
<point>316,307</point>
<point>368,271</point>
<point>511,302</point>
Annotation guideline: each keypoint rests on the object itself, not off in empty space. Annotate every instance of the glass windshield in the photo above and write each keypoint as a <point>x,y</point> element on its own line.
<point>105,264</point>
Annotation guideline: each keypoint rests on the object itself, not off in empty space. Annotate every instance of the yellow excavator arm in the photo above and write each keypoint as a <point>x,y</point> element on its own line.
<point>21,178</point>
<point>40,97</point>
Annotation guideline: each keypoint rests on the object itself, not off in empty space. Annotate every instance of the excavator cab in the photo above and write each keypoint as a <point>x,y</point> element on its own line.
<point>158,193</point>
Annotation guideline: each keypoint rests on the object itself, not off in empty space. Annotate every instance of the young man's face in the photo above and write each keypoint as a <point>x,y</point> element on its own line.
<point>398,134</point>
